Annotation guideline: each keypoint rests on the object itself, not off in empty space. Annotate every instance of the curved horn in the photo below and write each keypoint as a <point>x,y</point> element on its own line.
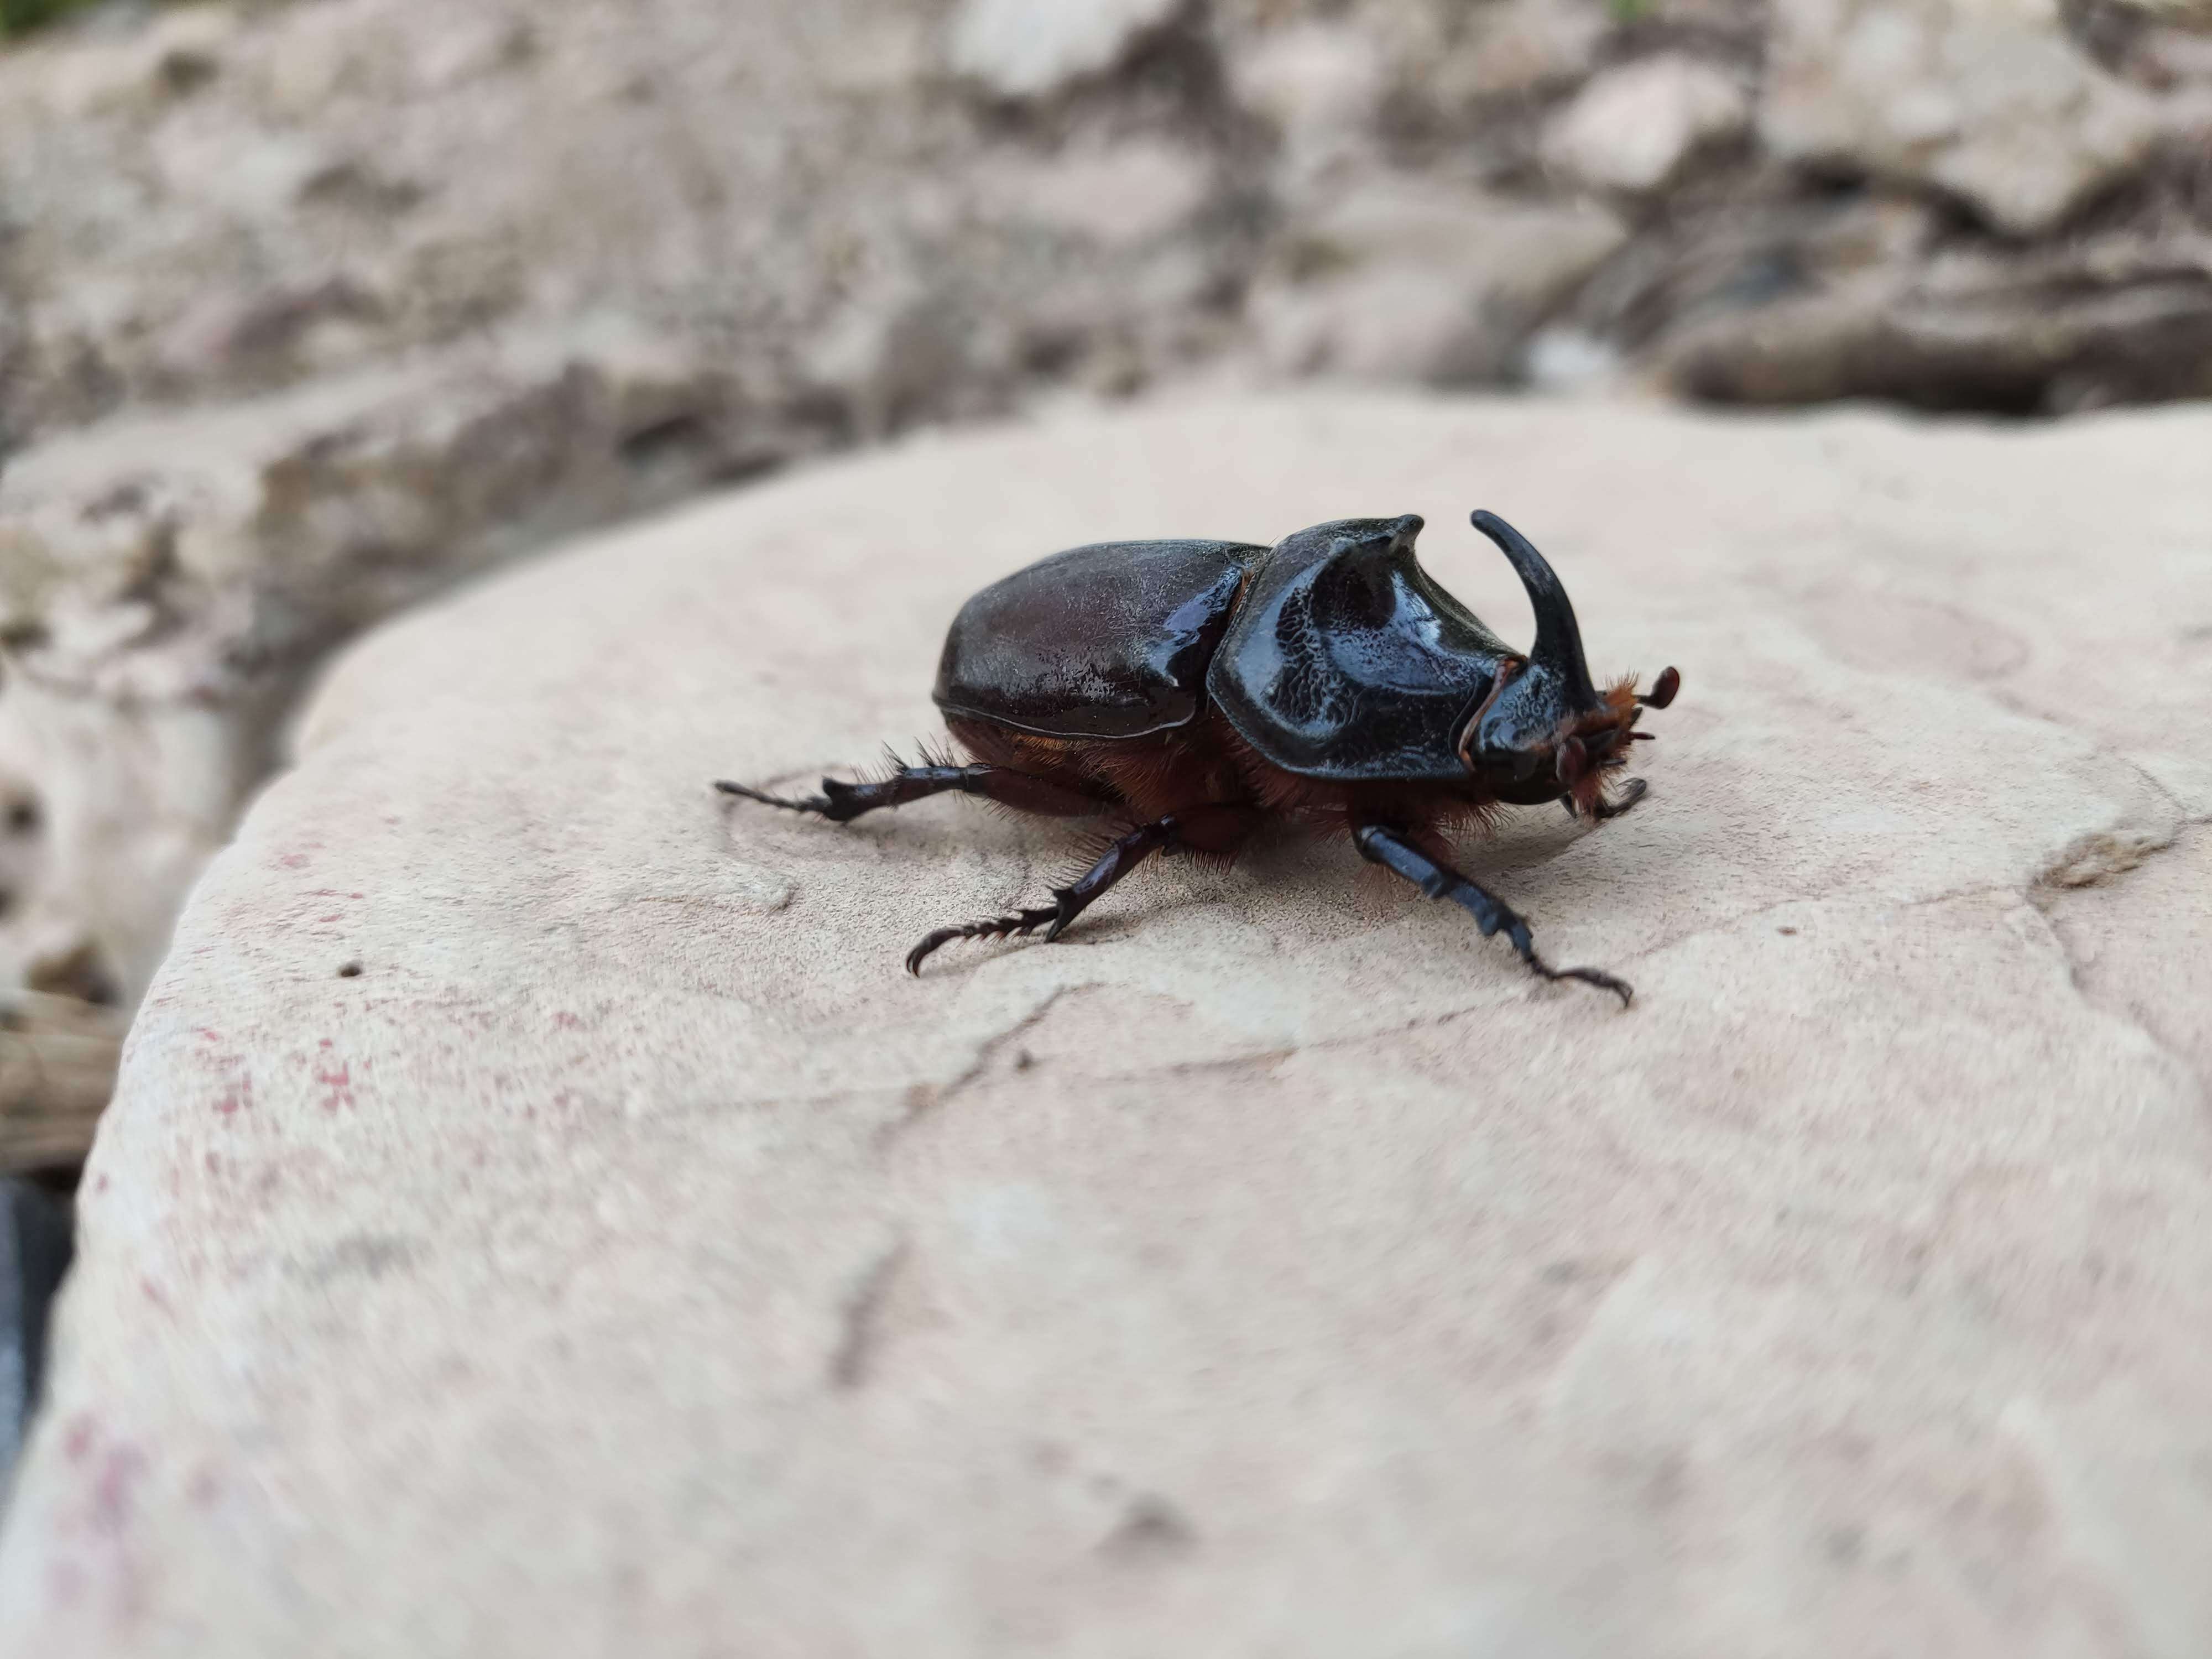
<point>1558,641</point>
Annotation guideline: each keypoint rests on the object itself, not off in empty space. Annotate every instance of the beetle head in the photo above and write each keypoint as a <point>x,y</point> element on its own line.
<point>1544,731</point>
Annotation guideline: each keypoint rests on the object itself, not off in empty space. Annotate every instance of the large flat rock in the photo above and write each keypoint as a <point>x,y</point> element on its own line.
<point>631,1258</point>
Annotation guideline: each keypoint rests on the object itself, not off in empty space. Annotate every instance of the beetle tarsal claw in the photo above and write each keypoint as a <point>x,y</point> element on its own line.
<point>1022,922</point>
<point>1631,793</point>
<point>823,804</point>
<point>1662,689</point>
<point>1604,981</point>
<point>1063,902</point>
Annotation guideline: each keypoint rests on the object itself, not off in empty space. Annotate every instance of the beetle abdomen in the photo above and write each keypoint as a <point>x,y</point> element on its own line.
<point>1109,640</point>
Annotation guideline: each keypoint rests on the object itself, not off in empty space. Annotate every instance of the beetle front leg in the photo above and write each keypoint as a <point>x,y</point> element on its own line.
<point>1631,793</point>
<point>1395,853</point>
<point>841,803</point>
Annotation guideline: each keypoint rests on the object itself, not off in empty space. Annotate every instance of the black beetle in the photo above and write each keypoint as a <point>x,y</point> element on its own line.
<point>1203,688</point>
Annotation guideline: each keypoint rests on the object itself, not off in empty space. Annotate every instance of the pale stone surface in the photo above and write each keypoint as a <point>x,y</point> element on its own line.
<point>632,1257</point>
<point>1031,48</point>
<point>1521,46</point>
<point>1318,85</point>
<point>1986,99</point>
<point>1397,279</point>
<point>1118,193</point>
<point>1635,128</point>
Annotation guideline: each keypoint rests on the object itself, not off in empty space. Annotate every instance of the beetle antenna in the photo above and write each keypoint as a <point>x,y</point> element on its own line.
<point>1558,638</point>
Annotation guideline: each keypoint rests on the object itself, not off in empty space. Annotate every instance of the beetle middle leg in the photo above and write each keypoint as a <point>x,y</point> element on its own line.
<point>1397,854</point>
<point>841,803</point>
<point>1213,830</point>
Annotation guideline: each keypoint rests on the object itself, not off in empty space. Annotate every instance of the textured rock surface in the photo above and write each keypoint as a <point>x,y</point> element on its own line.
<point>629,1254</point>
<point>167,584</point>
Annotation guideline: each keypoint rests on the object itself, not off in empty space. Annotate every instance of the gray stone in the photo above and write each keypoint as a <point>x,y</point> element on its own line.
<point>1021,48</point>
<point>1986,100</point>
<point>1401,280</point>
<point>1634,128</point>
<point>1119,195</point>
<point>2115,319</point>
<point>1518,47</point>
<point>1319,85</point>
<point>630,1255</point>
<point>167,584</point>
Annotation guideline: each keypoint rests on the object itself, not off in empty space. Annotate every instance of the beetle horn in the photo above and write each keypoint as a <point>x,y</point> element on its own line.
<point>1558,640</point>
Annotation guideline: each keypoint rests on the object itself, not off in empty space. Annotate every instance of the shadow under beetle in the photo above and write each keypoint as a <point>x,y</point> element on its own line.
<point>1201,689</point>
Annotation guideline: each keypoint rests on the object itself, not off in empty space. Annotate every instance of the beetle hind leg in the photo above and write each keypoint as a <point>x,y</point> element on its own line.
<point>1398,854</point>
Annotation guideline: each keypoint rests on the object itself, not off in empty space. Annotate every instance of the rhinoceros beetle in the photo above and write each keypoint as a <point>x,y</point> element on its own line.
<point>1200,688</point>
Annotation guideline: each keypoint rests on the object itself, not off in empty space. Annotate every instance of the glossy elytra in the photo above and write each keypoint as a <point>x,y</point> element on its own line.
<point>1199,690</point>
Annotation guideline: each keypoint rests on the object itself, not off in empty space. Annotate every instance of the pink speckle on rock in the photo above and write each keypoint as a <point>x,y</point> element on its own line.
<point>114,1494</point>
<point>66,1581</point>
<point>339,1081</point>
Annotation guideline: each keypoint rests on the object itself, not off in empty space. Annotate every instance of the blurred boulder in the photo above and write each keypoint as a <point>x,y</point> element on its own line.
<point>140,73</point>
<point>1318,85</point>
<point>1018,49</point>
<point>58,1054</point>
<point>894,351</point>
<point>1118,195</point>
<point>169,581</point>
<point>1513,47</point>
<point>1396,279</point>
<point>2115,320</point>
<point>2192,13</point>
<point>1635,128</point>
<point>1986,100</point>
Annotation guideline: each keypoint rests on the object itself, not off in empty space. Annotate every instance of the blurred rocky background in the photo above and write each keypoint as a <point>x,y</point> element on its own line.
<point>309,309</point>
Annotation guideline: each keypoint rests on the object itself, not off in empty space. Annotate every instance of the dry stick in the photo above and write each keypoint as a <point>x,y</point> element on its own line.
<point>57,1058</point>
